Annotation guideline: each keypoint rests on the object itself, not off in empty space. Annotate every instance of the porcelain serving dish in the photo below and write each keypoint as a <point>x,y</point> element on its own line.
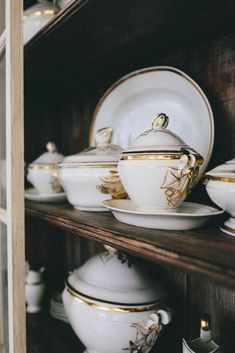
<point>37,16</point>
<point>159,169</point>
<point>113,305</point>
<point>220,186</point>
<point>91,176</point>
<point>189,215</point>
<point>128,104</point>
<point>42,173</point>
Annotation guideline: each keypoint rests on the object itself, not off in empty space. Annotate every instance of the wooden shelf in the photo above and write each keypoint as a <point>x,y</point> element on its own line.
<point>46,334</point>
<point>207,250</point>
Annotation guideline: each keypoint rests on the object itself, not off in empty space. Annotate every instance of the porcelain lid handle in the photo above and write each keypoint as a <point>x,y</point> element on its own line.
<point>104,136</point>
<point>160,121</point>
<point>51,147</point>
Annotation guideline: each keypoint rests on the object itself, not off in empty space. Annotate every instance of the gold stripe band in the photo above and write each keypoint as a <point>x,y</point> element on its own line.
<point>150,157</point>
<point>45,12</point>
<point>231,230</point>
<point>218,178</point>
<point>45,167</point>
<point>133,309</point>
<point>87,165</point>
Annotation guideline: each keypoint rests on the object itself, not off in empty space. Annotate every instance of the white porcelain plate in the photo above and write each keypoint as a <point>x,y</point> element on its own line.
<point>131,103</point>
<point>189,215</point>
<point>32,195</point>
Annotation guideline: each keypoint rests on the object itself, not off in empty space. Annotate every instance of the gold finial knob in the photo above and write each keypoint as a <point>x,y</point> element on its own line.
<point>205,322</point>
<point>160,121</point>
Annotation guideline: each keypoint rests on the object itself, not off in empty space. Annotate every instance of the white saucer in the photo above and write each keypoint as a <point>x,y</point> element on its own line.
<point>130,105</point>
<point>188,216</point>
<point>32,195</point>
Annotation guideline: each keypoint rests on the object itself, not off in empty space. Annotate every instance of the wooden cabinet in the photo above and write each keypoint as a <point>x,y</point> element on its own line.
<point>12,256</point>
<point>67,68</point>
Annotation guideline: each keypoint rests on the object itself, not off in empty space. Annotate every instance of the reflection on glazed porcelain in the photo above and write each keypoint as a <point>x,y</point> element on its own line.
<point>159,170</point>
<point>111,184</point>
<point>220,186</point>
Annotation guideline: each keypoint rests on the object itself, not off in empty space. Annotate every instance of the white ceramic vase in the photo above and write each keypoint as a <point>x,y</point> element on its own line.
<point>34,291</point>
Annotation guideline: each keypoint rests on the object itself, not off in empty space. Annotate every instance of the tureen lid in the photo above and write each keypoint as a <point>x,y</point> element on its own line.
<point>42,7</point>
<point>104,151</point>
<point>157,138</point>
<point>50,157</point>
<point>224,170</point>
<point>111,276</point>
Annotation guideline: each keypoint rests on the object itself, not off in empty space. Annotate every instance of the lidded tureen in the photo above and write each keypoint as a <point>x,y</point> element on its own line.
<point>37,16</point>
<point>159,169</point>
<point>220,186</point>
<point>42,172</point>
<point>90,177</point>
<point>113,305</point>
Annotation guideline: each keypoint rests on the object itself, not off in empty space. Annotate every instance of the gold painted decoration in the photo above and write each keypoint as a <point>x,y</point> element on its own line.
<point>177,184</point>
<point>55,185</point>
<point>111,184</point>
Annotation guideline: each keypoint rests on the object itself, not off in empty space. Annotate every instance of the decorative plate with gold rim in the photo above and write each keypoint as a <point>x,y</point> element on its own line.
<point>189,215</point>
<point>131,103</point>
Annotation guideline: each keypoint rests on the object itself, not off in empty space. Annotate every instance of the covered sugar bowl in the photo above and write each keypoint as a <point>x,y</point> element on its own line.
<point>42,173</point>
<point>159,169</point>
<point>113,305</point>
<point>220,186</point>
<point>90,177</point>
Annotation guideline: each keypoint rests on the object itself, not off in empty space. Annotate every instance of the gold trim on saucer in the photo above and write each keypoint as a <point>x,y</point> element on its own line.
<point>231,230</point>
<point>136,307</point>
<point>218,178</point>
<point>45,12</point>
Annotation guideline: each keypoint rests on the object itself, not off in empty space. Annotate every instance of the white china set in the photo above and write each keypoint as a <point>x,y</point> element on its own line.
<point>143,165</point>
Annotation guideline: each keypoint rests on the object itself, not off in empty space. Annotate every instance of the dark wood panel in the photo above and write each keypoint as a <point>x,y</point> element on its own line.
<point>207,251</point>
<point>46,334</point>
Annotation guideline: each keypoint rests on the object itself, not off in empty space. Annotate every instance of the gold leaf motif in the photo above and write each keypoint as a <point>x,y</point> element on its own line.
<point>177,184</point>
<point>111,184</point>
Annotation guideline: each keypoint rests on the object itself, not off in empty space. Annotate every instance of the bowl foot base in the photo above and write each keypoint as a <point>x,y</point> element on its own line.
<point>229,227</point>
